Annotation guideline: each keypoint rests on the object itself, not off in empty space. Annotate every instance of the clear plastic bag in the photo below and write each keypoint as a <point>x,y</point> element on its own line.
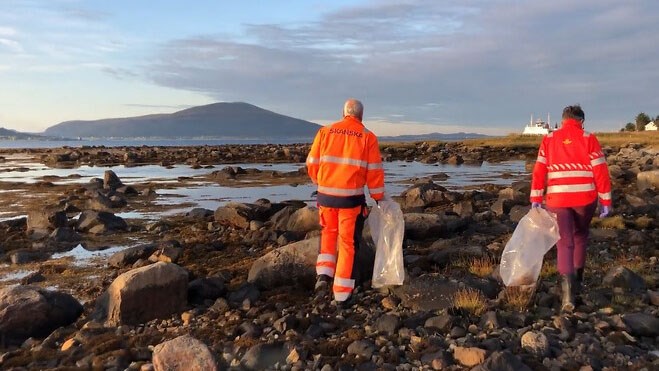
<point>521,261</point>
<point>387,228</point>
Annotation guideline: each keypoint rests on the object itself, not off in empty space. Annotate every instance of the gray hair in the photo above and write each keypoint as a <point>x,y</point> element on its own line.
<point>353,108</point>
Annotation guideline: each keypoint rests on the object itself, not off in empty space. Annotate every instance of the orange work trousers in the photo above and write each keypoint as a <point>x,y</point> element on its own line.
<point>341,229</point>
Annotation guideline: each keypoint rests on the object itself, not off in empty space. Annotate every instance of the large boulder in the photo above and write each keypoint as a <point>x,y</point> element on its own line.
<point>296,264</point>
<point>239,214</point>
<point>27,311</point>
<point>421,196</point>
<point>647,179</point>
<point>183,353</point>
<point>624,278</point>
<point>111,180</point>
<point>420,226</point>
<point>99,222</point>
<point>130,255</point>
<point>143,294</point>
<point>304,220</point>
<point>45,220</point>
<point>428,293</point>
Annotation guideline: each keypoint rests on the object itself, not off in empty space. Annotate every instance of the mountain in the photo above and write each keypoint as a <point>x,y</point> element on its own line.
<point>432,136</point>
<point>13,134</point>
<point>235,120</point>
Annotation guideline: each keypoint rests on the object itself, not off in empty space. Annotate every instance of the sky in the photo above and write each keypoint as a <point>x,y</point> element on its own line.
<point>419,66</point>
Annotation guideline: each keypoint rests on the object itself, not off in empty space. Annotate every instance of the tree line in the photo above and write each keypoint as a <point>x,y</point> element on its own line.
<point>639,123</point>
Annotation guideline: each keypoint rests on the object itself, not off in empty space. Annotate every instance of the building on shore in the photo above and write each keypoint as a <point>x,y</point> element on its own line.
<point>651,126</point>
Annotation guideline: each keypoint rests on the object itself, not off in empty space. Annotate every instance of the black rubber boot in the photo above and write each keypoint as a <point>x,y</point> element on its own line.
<point>578,285</point>
<point>323,282</point>
<point>567,291</point>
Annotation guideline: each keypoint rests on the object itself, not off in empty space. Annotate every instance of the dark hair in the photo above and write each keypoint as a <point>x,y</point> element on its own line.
<point>574,112</point>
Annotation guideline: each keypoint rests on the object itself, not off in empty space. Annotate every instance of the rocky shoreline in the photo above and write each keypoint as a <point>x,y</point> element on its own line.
<point>232,288</point>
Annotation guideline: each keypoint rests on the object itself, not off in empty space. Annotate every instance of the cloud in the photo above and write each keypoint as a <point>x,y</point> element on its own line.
<point>487,62</point>
<point>11,45</point>
<point>7,31</point>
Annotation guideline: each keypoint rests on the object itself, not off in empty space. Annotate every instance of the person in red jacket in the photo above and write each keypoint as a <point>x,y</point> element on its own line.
<point>344,157</point>
<point>572,167</point>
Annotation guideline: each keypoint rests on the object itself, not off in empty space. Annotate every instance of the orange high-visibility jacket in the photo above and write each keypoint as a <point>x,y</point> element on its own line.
<point>344,157</point>
<point>574,166</point>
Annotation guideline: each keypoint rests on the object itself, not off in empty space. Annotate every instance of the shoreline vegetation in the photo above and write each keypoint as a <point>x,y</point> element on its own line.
<point>232,288</point>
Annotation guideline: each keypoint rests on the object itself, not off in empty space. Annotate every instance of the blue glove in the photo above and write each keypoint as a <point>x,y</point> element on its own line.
<point>604,211</point>
<point>536,204</point>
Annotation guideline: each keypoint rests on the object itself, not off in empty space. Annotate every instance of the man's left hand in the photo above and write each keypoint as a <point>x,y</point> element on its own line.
<point>604,212</point>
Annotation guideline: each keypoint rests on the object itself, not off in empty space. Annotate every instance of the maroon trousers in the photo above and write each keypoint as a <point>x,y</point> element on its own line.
<point>573,227</point>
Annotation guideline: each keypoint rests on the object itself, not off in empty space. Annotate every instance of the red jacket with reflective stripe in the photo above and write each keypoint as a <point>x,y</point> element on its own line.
<point>344,157</point>
<point>572,166</point>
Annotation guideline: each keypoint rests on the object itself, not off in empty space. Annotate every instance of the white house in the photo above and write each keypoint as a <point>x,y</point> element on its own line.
<point>651,126</point>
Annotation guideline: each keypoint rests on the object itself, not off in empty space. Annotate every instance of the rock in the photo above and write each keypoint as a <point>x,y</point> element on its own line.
<point>489,321</point>
<point>33,278</point>
<point>502,361</point>
<point>237,215</point>
<point>421,196</point>
<point>247,291</point>
<point>45,219</point>
<point>362,348</point>
<point>199,213</point>
<point>146,293</point>
<point>647,180</point>
<point>102,220</point>
<point>464,208</point>
<point>442,323</point>
<point>621,277</point>
<point>262,356</point>
<point>130,255</point>
<point>641,324</point>
<point>27,256</point>
<point>28,311</point>
<point>446,255</point>
<point>99,202</point>
<point>503,206</point>
<point>517,212</point>
<point>387,324</point>
<point>111,180</point>
<point>65,234</point>
<point>512,194</point>
<point>295,264</point>
<point>208,288</point>
<point>183,353</point>
<point>469,356</point>
<point>304,220</point>
<point>429,292</point>
<point>127,191</point>
<point>535,343</point>
<point>654,297</point>
<point>420,226</point>
<point>167,254</point>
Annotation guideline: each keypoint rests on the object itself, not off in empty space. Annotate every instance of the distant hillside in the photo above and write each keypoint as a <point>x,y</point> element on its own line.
<point>13,134</point>
<point>432,136</point>
<point>235,120</point>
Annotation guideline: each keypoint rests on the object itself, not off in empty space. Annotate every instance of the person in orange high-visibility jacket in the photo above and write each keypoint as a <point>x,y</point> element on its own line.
<point>572,167</point>
<point>344,157</point>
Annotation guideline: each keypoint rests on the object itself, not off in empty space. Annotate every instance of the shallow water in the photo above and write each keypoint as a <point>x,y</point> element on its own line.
<point>398,175</point>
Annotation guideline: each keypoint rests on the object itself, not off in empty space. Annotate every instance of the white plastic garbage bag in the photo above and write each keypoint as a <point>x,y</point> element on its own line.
<point>387,228</point>
<point>521,261</point>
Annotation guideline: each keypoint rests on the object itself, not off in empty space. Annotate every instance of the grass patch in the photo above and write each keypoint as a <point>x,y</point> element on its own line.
<point>482,267</point>
<point>518,298</point>
<point>643,222</point>
<point>614,222</point>
<point>549,270</point>
<point>470,300</point>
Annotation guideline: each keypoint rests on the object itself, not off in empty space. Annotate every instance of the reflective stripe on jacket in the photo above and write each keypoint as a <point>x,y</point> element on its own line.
<point>345,157</point>
<point>572,166</point>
